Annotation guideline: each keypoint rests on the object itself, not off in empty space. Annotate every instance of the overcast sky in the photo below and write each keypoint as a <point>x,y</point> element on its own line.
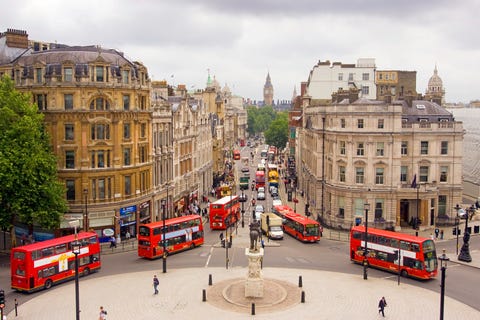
<point>239,41</point>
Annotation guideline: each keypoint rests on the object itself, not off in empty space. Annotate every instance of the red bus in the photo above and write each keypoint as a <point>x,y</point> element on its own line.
<point>418,257</point>
<point>259,179</point>
<point>301,227</point>
<point>181,233</point>
<point>236,154</point>
<point>42,264</point>
<point>224,212</point>
<point>282,210</point>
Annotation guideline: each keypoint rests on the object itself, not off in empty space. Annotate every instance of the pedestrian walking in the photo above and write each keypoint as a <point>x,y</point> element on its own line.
<point>103,314</point>
<point>155,284</point>
<point>441,234</point>
<point>381,306</point>
<point>127,235</point>
<point>113,242</point>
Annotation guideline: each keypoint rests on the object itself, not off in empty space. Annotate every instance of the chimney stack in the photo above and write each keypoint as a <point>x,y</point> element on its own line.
<point>16,38</point>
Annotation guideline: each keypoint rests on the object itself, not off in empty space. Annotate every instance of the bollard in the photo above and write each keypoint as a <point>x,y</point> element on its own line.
<point>253,309</point>
<point>210,279</point>
<point>16,305</point>
<point>302,300</point>
<point>300,283</point>
<point>204,295</point>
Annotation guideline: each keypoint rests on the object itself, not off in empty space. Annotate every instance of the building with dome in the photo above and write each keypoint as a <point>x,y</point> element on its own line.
<point>435,91</point>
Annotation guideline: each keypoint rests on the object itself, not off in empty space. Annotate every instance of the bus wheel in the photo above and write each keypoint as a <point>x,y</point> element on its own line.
<point>192,246</point>
<point>86,271</point>
<point>48,284</point>
<point>404,273</point>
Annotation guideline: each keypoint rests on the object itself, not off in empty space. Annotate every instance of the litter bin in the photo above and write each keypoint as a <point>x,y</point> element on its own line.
<point>476,229</point>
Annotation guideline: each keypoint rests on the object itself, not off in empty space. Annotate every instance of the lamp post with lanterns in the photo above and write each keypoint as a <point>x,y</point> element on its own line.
<point>465,251</point>
<point>443,267</point>
<point>164,251</point>
<point>76,251</point>
<point>366,206</point>
<point>85,221</point>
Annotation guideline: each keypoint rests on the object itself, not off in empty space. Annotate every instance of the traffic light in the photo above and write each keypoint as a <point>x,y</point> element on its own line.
<point>2,297</point>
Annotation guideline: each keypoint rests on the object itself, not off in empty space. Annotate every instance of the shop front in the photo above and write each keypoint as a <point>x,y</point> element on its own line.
<point>128,221</point>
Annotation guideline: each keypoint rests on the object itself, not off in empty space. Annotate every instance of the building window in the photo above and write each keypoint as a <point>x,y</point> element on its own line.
<point>100,132</point>
<point>128,185</point>
<point>380,149</point>
<point>424,173</point>
<point>404,148</point>
<point>381,123</point>
<point>41,100</point>
<point>68,101</point>
<point>341,207</point>
<point>126,131</point>
<point>360,124</point>
<point>342,123</point>
<point>341,171</point>
<point>444,148</point>
<point>99,104</point>
<point>68,74</point>
<point>99,74</point>
<point>443,173</point>
<point>403,173</point>
<point>143,130</point>
<point>38,75</point>
<point>126,156</point>
<point>69,132</point>
<point>70,186</point>
<point>126,102</point>
<point>340,77</point>
<point>143,154</point>
<point>70,159</point>
<point>379,176</point>
<point>350,77</point>
<point>125,76</point>
<point>360,149</point>
<point>379,210</point>
<point>423,147</point>
<point>365,90</point>
<point>442,205</point>
<point>365,76</point>
<point>343,150</point>
<point>359,175</point>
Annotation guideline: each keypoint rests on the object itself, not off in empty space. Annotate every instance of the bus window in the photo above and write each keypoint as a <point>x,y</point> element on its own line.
<point>415,247</point>
<point>19,255</point>
<point>61,248</point>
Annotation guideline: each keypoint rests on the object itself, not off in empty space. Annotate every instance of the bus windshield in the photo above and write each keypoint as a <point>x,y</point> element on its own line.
<point>311,229</point>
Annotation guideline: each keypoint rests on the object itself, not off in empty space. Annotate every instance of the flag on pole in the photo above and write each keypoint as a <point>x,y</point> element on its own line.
<point>414,182</point>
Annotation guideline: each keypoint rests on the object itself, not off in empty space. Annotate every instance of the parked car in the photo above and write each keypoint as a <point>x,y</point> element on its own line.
<point>261,196</point>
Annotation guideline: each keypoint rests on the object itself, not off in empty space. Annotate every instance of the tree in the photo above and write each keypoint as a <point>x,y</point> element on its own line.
<point>30,192</point>
<point>277,133</point>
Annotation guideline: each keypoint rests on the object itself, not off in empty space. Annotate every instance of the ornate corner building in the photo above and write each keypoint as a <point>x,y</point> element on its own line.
<point>96,104</point>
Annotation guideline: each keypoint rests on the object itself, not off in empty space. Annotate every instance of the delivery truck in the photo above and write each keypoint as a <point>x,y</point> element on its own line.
<point>271,225</point>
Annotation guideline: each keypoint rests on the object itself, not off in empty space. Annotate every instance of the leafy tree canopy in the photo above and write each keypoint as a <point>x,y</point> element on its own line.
<point>29,190</point>
<point>273,124</point>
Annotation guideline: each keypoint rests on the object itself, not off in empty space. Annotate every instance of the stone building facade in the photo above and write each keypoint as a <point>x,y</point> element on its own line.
<point>395,84</point>
<point>357,151</point>
<point>96,104</point>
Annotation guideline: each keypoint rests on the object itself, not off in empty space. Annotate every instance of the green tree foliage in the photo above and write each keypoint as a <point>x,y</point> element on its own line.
<point>30,192</point>
<point>277,132</point>
<point>259,119</point>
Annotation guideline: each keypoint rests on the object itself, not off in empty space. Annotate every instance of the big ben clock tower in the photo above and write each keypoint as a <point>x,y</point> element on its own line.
<point>268,91</point>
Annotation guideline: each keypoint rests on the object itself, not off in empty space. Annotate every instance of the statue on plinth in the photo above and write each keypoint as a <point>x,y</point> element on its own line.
<point>255,234</point>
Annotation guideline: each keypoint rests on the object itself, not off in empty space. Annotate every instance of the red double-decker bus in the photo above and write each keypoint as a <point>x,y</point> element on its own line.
<point>224,212</point>
<point>301,227</point>
<point>259,179</point>
<point>42,264</point>
<point>418,257</point>
<point>236,154</point>
<point>181,233</point>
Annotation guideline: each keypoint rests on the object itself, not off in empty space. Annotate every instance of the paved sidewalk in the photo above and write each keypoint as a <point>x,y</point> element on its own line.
<point>328,295</point>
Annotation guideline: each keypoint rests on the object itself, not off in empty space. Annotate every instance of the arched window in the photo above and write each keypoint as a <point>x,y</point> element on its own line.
<point>99,104</point>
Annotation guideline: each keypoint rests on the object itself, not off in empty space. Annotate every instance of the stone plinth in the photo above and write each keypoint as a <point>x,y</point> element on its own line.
<point>254,281</point>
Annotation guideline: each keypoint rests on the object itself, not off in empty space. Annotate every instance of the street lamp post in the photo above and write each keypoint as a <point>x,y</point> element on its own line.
<point>85,221</point>
<point>243,210</point>
<point>76,251</point>
<point>366,206</point>
<point>164,251</point>
<point>415,224</point>
<point>443,264</point>
<point>457,223</point>
<point>465,251</point>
